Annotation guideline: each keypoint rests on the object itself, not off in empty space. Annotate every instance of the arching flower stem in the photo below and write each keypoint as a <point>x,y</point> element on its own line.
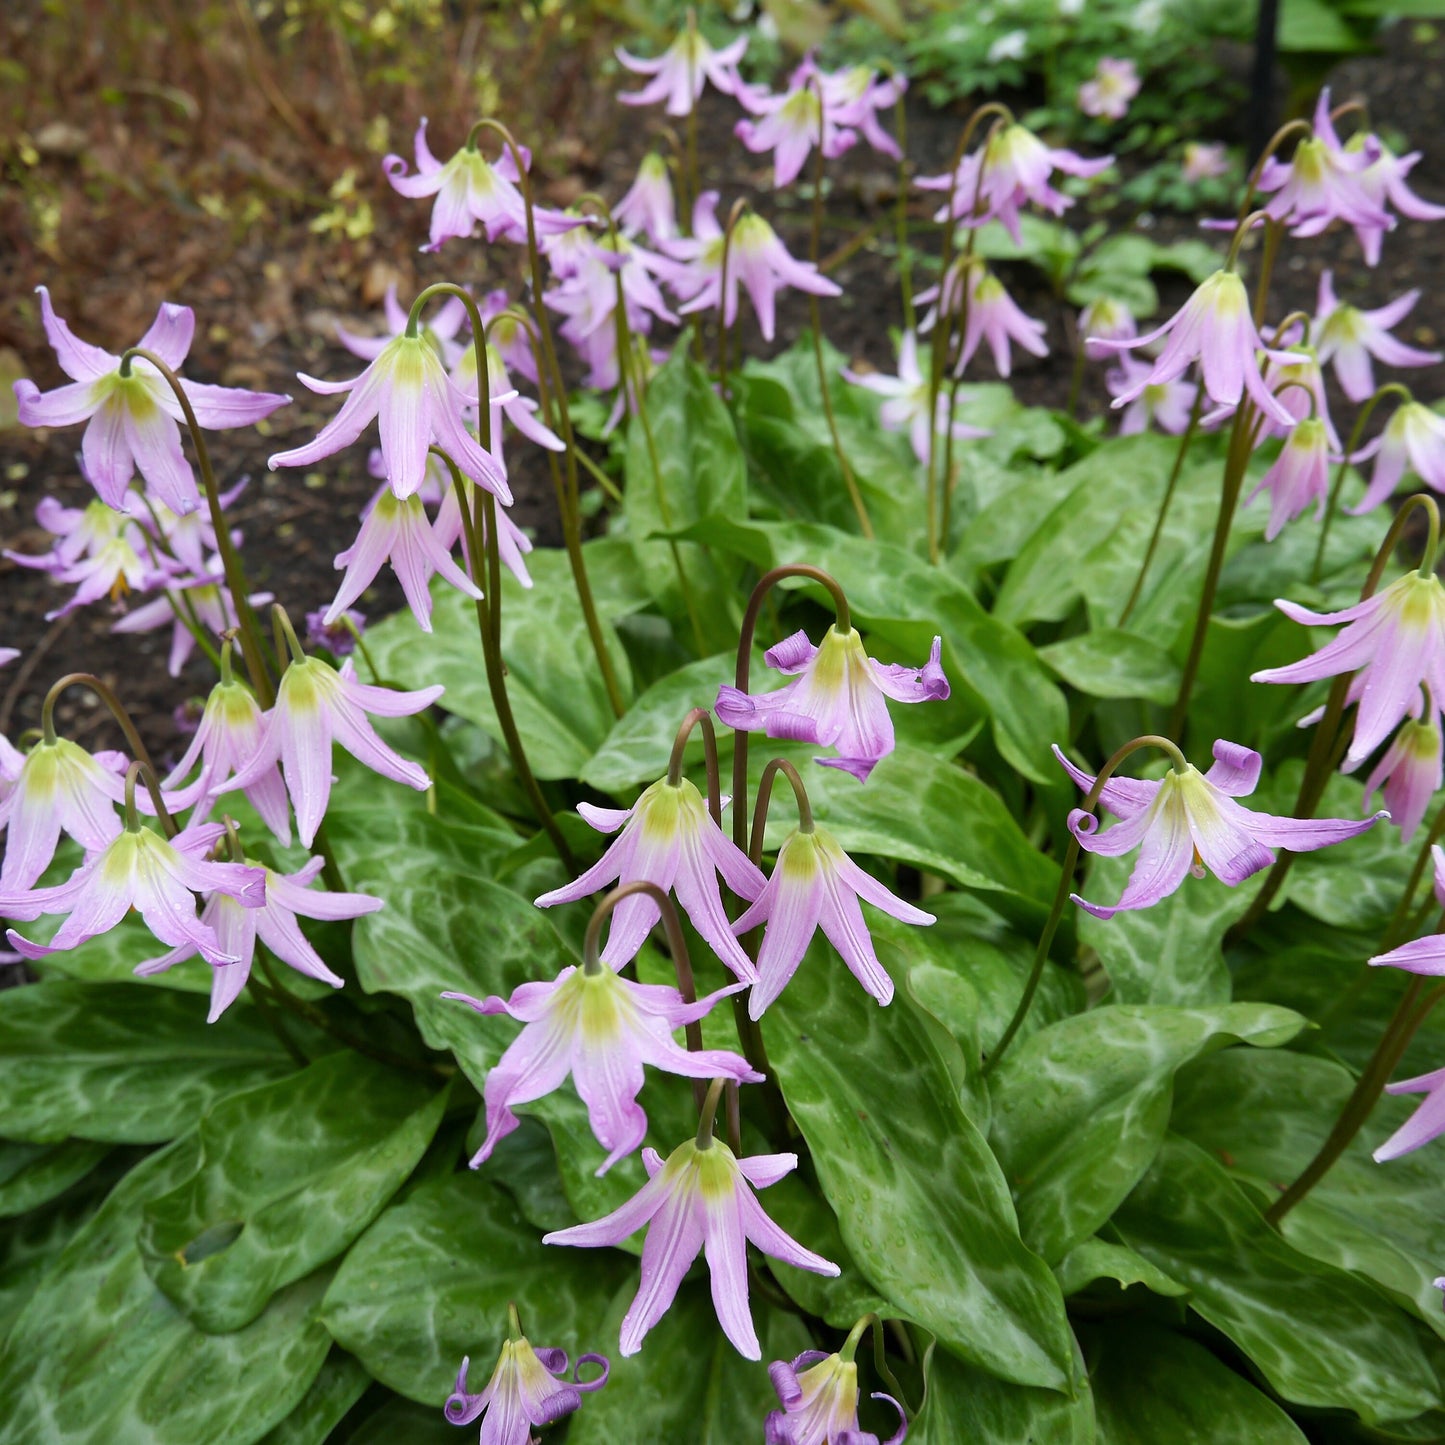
<point>699,717</point>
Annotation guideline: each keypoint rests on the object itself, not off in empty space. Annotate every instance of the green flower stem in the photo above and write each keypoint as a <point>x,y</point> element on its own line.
<point>252,647</point>
<point>1357,431</point>
<point>1066,879</point>
<point>765,584</point>
<point>699,716</point>
<point>815,321</point>
<point>1410,1013</point>
<point>708,1112</point>
<point>765,796</point>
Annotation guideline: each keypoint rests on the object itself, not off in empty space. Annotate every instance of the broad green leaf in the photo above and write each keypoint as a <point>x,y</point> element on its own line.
<point>1266,1116</point>
<point>121,1064</point>
<point>32,1174</point>
<point>404,1420</point>
<point>341,1383</point>
<point>1357,1352</point>
<point>920,1200</point>
<point>1081,1107</point>
<point>1152,1385</point>
<point>1097,1259</point>
<point>966,1404</point>
<point>1171,953</point>
<point>688,1385</point>
<point>127,1368</point>
<point>290,1174</point>
<point>1111,663</point>
<point>553,683</point>
<point>430,1280</point>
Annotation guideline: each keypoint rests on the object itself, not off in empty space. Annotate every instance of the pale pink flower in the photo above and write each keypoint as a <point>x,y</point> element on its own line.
<point>1410,771</point>
<point>1414,440</point>
<point>1105,319</point>
<point>649,206</point>
<point>857,96</point>
<point>134,421</point>
<point>314,705</point>
<point>667,838</point>
<point>528,1387</point>
<point>701,1197</point>
<point>819,1396</point>
<point>191,538</point>
<point>1428,1121</point>
<point>600,1028</point>
<point>1204,161</point>
<point>1297,383</point>
<point>112,567</point>
<point>207,596</point>
<point>815,884</point>
<point>509,333</point>
<point>1167,405</point>
<point>1383,181</point>
<point>838,697</point>
<point>790,124</point>
<point>992,316</point>
<point>1109,90</point>
<point>504,401</point>
<point>443,330</point>
<point>1422,955</point>
<point>681,71</point>
<point>1300,476</point>
<point>1354,339</point>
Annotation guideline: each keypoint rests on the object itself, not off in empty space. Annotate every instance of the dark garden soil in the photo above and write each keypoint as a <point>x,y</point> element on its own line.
<point>268,298</point>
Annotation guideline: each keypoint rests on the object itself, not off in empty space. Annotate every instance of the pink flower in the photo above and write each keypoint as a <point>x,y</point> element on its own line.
<point>1396,640</point>
<point>314,705</point>
<point>702,1196</point>
<point>679,74</point>
<point>1204,161</point>
<point>509,334</point>
<point>189,538</point>
<point>134,420</point>
<point>667,838</point>
<point>587,297</point>
<point>993,317</point>
<point>1108,92</point>
<point>815,884</point>
<point>112,566</point>
<point>408,389</point>
<point>1105,319</point>
<point>649,205</point>
<point>1188,821</point>
<point>528,1387</point>
<point>819,1396</point>
<point>158,877</point>
<point>274,922</point>
<point>1294,377</point>
<point>1215,328</point>
<point>838,699</point>
<point>1300,475</point>
<point>792,122</point>
<point>1411,773</point>
<point>443,330</point>
<point>471,189</point>
<point>58,786</point>
<point>1428,1121</point>
<point>1167,405</point>
<point>906,401</point>
<point>757,259</point>
<point>1352,338</point>
<point>1383,181</point>
<point>1413,439</point>
<point>600,1028</point>
<point>206,596</point>
<point>857,96</point>
<point>1421,955</point>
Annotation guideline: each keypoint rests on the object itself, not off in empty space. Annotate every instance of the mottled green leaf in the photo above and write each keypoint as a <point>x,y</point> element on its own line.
<point>341,1383</point>
<point>121,1064</point>
<point>920,1200</point>
<point>967,1404</point>
<point>1081,1107</point>
<point>290,1174</point>
<point>31,1174</point>
<point>1097,1259</point>
<point>1111,663</point>
<point>429,1282</point>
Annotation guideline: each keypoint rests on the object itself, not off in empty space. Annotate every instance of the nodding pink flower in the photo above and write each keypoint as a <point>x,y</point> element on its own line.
<point>757,259</point>
<point>274,922</point>
<point>1188,821</point>
<point>588,297</point>
<point>1411,773</point>
<point>858,95</point>
<point>134,420</point>
<point>442,330</point>
<point>227,738</point>
<point>1294,377</point>
<point>1109,90</point>
<point>1428,1121</point>
<point>336,637</point>
<point>528,1387</point>
<point>815,884</point>
<point>396,530</point>
<point>1396,640</point>
<point>649,206</point>
<point>702,1196</point>
<point>1413,439</point>
<point>471,189</point>
<point>1383,181</point>
<point>1012,169</point>
<point>1204,161</point>
<point>1354,339</point>
<point>314,705</point>
<point>504,401</point>
<point>191,538</point>
<point>207,596</point>
<point>1167,406</point>
<point>993,317</point>
<point>681,71</point>
<point>509,333</point>
<point>838,698</point>
<point>1105,319</point>
<point>512,542</point>
<point>1300,475</point>
<point>667,838</point>
<point>156,876</point>
<point>819,1396</point>
<point>1321,182</point>
<point>78,531</point>
<point>1215,328</point>
<point>58,786</point>
<point>600,1028</point>
<point>905,402</point>
<point>790,124</point>
<point>112,567</point>
<point>407,388</point>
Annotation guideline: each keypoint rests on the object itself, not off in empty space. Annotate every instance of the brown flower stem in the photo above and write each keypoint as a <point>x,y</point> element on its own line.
<point>765,796</point>
<point>699,716</point>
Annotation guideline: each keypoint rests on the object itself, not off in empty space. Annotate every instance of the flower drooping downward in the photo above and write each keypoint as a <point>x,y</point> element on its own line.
<point>819,1396</point>
<point>681,71</point>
